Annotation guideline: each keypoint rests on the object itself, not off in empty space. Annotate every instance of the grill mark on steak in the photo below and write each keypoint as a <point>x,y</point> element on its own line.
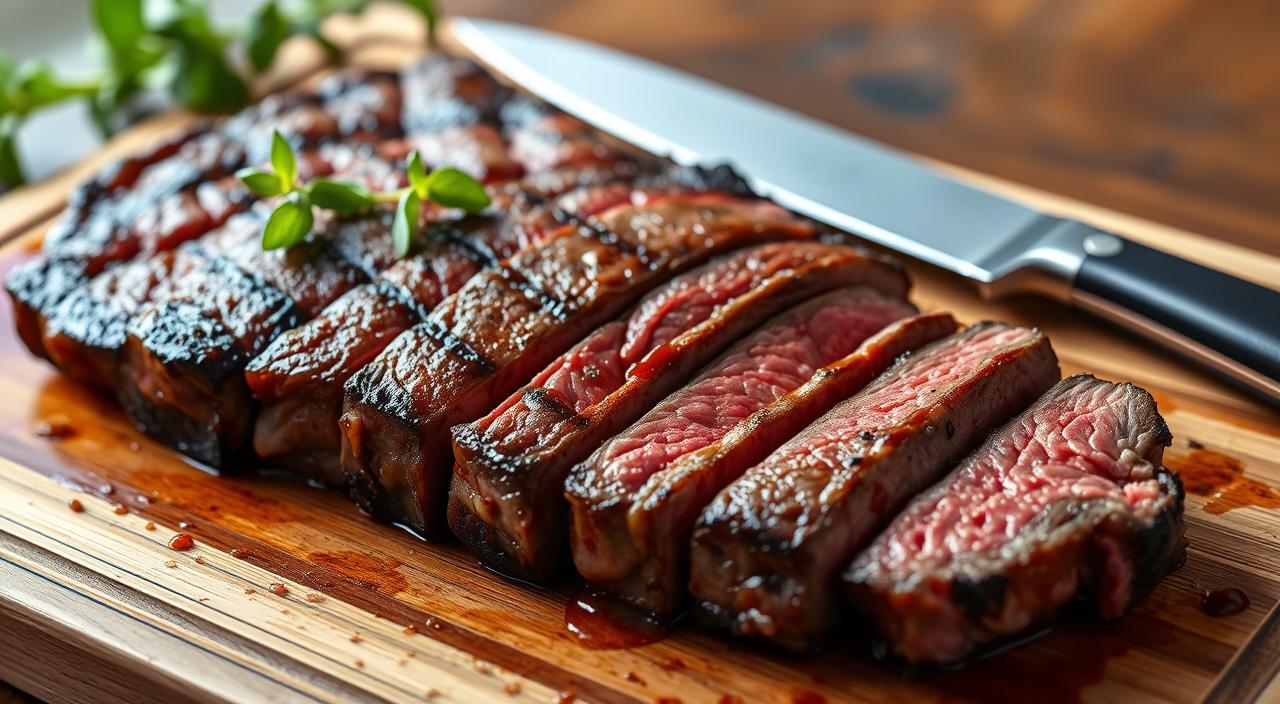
<point>310,275</point>
<point>180,365</point>
<point>506,498</point>
<point>756,371</point>
<point>299,378</point>
<point>84,333</point>
<point>767,551</point>
<point>1068,497</point>
<point>174,194</point>
<point>444,91</point>
<point>397,410</point>
<point>636,545</point>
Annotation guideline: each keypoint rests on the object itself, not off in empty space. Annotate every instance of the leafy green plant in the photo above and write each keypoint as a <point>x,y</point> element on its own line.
<point>293,216</point>
<point>176,47</point>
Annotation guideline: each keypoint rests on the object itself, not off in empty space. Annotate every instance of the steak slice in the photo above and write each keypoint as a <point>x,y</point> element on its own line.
<point>205,408</point>
<point>298,379</point>
<point>1068,497</point>
<point>756,371</point>
<point>507,323</point>
<point>767,551</point>
<point>634,541</point>
<point>183,188</point>
<point>84,333</point>
<point>506,499</point>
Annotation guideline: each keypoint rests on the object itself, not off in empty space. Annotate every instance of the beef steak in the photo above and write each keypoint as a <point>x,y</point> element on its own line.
<point>1068,497</point>
<point>638,546</point>
<point>506,498</point>
<point>507,323</point>
<point>756,371</point>
<point>766,553</point>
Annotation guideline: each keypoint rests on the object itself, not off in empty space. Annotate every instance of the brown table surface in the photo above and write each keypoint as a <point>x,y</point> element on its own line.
<point>1166,109</point>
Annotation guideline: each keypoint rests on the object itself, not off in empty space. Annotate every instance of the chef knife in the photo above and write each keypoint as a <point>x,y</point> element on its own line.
<point>1228,324</point>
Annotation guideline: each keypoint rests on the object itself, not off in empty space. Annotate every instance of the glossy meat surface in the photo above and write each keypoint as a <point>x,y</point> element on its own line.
<point>506,498</point>
<point>1068,497</point>
<point>766,552</point>
<point>507,323</point>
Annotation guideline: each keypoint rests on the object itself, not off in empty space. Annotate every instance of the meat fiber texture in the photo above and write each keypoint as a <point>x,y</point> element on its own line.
<point>1068,497</point>
<point>765,366</point>
<point>766,553</point>
<point>506,324</point>
<point>506,499</point>
<point>645,554</point>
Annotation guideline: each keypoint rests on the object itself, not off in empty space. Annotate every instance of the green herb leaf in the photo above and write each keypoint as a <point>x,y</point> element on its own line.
<point>454,189</point>
<point>120,22</point>
<point>289,222</point>
<point>10,166</point>
<point>7,67</point>
<point>206,82</point>
<point>267,30</point>
<point>408,210</point>
<point>264,183</point>
<point>36,86</point>
<point>417,175</point>
<point>342,197</point>
<point>283,160</point>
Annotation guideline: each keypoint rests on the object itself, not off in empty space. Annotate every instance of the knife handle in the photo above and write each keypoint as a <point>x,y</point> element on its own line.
<point>1229,324</point>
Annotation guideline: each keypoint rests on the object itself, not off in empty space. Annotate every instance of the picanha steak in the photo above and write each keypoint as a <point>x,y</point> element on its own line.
<point>506,499</point>
<point>183,188</point>
<point>635,543</point>
<point>509,322</point>
<point>767,551</point>
<point>693,393</point>
<point>299,378</point>
<point>1068,497</point>
<point>761,368</point>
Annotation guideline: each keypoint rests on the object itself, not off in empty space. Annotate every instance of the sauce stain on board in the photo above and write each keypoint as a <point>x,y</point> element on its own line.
<point>373,572</point>
<point>599,623</point>
<point>1220,478</point>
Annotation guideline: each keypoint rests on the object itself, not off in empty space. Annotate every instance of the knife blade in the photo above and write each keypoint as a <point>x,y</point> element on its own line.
<point>1227,324</point>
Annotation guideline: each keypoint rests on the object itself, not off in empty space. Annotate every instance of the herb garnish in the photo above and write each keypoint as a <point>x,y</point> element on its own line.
<point>178,49</point>
<point>292,218</point>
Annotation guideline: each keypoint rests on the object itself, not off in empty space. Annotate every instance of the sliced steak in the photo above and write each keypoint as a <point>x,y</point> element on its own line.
<point>633,540</point>
<point>184,188</point>
<point>206,409</point>
<point>506,499</point>
<point>543,138</point>
<point>1069,497</point>
<point>756,371</point>
<point>84,333</point>
<point>299,378</point>
<point>507,323</point>
<point>767,551</point>
<point>443,91</point>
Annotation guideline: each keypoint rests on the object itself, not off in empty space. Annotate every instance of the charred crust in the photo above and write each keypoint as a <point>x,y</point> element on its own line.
<point>720,177</point>
<point>457,346</point>
<point>1160,548</point>
<point>179,335</point>
<point>981,596</point>
<point>489,544</point>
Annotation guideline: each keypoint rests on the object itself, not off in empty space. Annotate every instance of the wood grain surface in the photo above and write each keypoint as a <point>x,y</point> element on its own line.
<point>102,609</point>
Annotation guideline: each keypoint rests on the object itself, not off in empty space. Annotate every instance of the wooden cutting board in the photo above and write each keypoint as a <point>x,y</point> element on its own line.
<point>95,605</point>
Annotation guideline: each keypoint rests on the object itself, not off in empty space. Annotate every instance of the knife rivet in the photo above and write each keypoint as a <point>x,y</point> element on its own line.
<point>1102,245</point>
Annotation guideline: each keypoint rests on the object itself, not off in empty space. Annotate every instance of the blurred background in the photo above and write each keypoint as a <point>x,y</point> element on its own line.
<point>1166,109</point>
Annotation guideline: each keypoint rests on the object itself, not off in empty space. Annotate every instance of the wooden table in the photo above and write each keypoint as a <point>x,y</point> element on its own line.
<point>104,610</point>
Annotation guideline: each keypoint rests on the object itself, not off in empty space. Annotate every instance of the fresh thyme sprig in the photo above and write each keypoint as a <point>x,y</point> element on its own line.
<point>293,216</point>
<point>173,45</point>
